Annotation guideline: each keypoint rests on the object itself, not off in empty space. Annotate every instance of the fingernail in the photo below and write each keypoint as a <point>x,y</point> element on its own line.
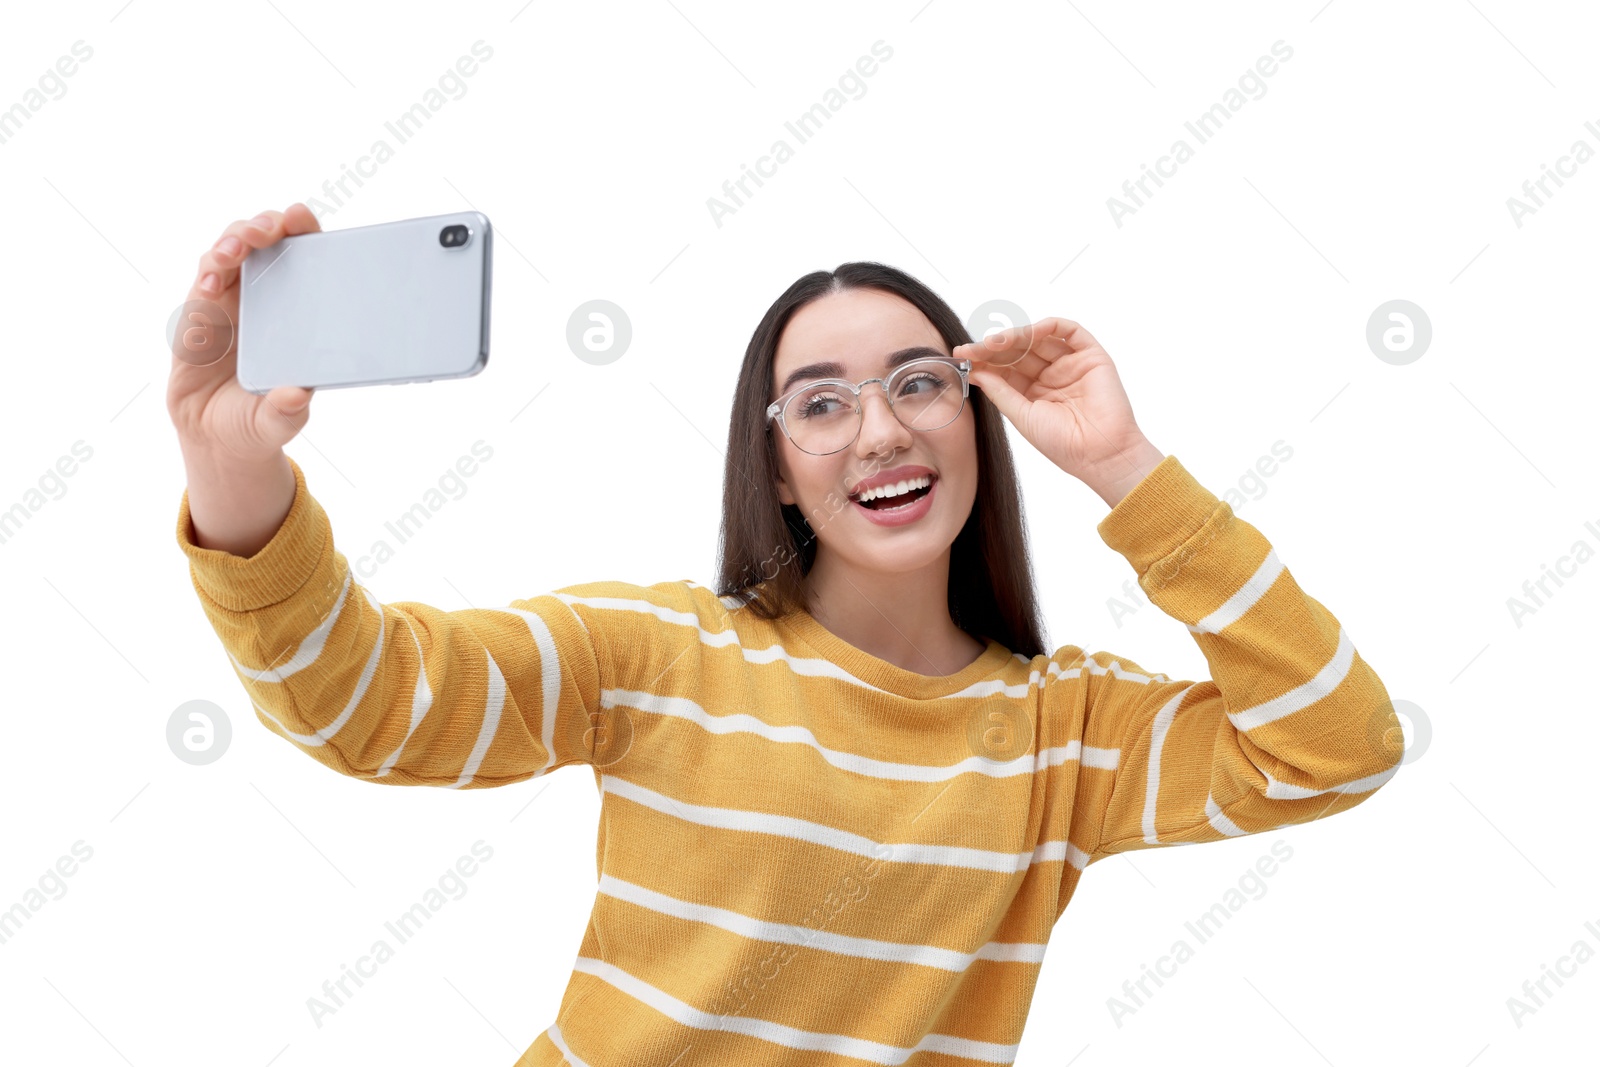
<point>262,222</point>
<point>209,283</point>
<point>229,246</point>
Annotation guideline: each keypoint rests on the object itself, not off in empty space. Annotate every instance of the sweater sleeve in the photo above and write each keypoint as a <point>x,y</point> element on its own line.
<point>1293,725</point>
<point>404,693</point>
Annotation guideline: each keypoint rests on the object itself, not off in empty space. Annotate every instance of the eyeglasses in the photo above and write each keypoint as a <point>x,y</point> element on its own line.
<point>824,416</point>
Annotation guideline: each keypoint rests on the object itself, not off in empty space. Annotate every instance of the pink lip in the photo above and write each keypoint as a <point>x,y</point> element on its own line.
<point>902,515</point>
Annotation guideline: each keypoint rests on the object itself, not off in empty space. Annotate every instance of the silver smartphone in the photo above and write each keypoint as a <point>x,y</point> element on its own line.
<point>395,302</point>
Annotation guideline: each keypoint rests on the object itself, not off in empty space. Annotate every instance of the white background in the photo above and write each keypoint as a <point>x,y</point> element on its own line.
<point>1419,498</point>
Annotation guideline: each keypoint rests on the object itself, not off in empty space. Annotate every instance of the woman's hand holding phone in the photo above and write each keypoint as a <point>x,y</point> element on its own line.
<point>240,484</point>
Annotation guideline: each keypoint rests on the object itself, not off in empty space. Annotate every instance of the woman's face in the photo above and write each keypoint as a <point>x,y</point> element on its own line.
<point>859,329</point>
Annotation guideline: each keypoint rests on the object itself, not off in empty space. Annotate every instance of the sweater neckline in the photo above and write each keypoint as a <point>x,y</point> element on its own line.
<point>886,675</point>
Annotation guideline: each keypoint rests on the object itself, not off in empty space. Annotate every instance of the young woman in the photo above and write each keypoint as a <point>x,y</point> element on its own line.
<point>846,794</point>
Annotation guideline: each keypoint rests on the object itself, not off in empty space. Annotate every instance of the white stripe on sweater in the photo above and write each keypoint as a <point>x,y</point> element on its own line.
<point>310,647</point>
<point>1324,682</point>
<point>549,679</point>
<point>1245,598</point>
<point>832,837</point>
<point>494,704</point>
<point>560,1042</point>
<point>321,736</point>
<point>1278,790</point>
<point>1117,671</point>
<point>689,710</point>
<point>1061,850</point>
<point>805,936</point>
<point>421,701</point>
<point>788,1036</point>
<point>804,666</point>
<point>1304,695</point>
<point>1219,821</point>
<point>550,692</point>
<point>1158,737</point>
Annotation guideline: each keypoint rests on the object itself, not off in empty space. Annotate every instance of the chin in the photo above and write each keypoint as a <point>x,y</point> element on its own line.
<point>909,551</point>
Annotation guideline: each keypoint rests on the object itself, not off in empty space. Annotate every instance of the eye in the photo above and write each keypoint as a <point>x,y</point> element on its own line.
<point>921,382</point>
<point>814,405</point>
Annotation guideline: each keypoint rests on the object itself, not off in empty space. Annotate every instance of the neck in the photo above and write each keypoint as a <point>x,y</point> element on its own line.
<point>902,618</point>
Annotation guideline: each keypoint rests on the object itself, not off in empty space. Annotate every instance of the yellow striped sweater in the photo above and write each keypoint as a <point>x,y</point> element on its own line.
<point>809,856</point>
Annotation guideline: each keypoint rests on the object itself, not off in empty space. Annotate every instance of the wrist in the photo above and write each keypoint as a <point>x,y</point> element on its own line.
<point>236,504</point>
<point>206,454</point>
<point>1118,475</point>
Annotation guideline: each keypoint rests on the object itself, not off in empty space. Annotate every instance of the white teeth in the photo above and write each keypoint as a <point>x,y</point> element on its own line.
<point>899,489</point>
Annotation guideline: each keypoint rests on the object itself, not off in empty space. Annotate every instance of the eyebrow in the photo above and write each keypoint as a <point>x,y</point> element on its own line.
<point>834,369</point>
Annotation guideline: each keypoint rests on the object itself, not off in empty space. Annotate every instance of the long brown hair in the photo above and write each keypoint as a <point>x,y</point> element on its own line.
<point>767,547</point>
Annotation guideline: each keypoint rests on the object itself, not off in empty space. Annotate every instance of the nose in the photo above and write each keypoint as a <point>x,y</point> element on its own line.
<point>881,428</point>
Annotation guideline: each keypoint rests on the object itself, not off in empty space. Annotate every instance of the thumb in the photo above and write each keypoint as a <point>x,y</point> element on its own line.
<point>283,414</point>
<point>1011,403</point>
<point>290,399</point>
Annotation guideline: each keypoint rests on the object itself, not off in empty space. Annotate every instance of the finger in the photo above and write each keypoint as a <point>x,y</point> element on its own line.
<point>284,404</point>
<point>297,219</point>
<point>289,400</point>
<point>1010,347</point>
<point>994,342</point>
<point>223,260</point>
<point>1040,339</point>
<point>1069,333</point>
<point>1003,347</point>
<point>256,231</point>
<point>1012,404</point>
<point>263,230</point>
<point>1050,337</point>
<point>219,265</point>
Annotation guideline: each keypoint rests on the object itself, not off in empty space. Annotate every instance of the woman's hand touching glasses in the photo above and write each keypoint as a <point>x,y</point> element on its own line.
<point>1058,387</point>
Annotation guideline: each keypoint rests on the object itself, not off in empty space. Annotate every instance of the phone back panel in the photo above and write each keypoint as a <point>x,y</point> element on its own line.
<point>367,305</point>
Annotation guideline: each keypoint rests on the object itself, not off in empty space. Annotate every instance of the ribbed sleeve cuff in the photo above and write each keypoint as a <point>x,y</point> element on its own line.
<point>1160,514</point>
<point>284,564</point>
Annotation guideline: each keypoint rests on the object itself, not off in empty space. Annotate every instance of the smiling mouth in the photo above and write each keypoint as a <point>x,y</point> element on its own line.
<point>889,503</point>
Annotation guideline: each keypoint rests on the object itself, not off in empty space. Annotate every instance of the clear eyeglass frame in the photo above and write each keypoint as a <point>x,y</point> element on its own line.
<point>776,409</point>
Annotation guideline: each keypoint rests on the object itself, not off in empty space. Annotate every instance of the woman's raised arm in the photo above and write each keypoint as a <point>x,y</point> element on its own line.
<point>395,693</point>
<point>1292,726</point>
<point>400,693</point>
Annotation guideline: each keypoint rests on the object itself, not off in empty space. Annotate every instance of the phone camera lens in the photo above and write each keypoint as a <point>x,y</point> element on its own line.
<point>453,236</point>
